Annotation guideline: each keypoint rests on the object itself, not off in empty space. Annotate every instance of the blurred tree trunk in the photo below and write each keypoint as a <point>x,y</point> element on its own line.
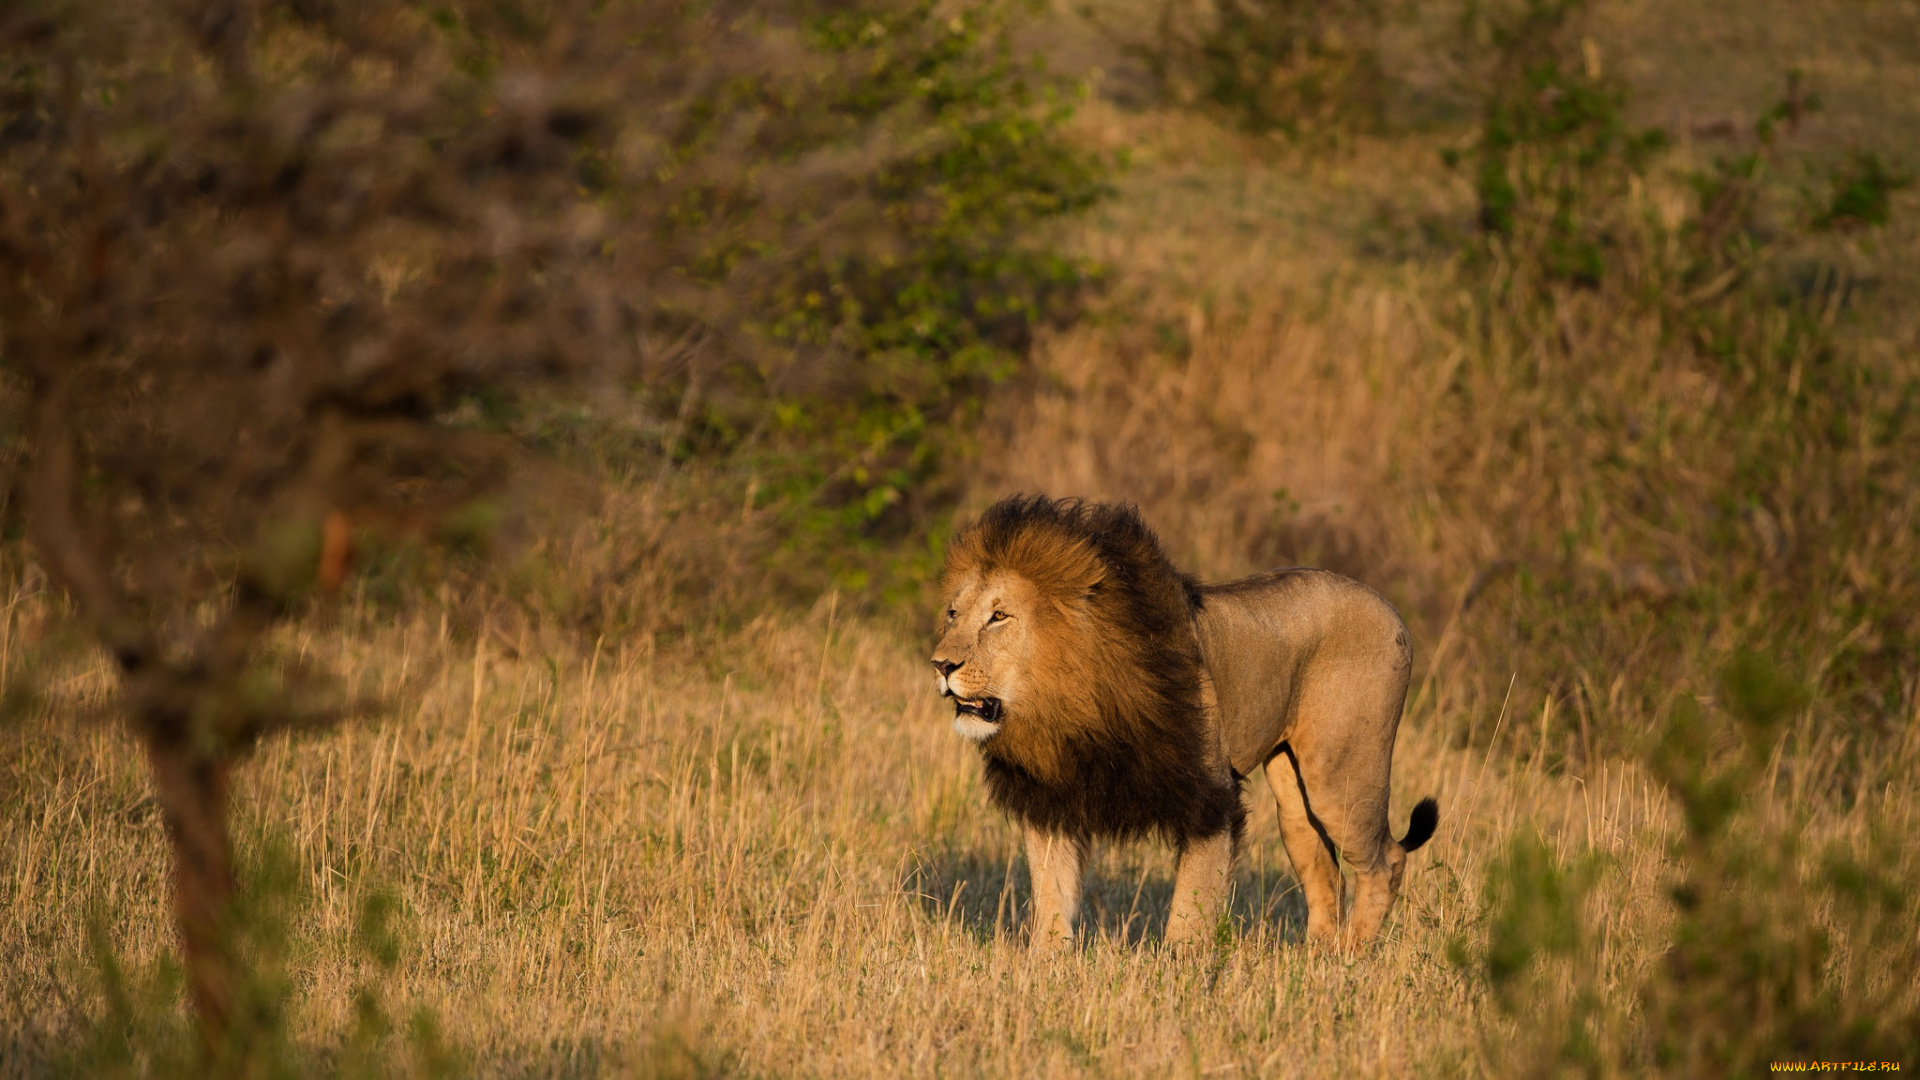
<point>168,710</point>
<point>192,789</point>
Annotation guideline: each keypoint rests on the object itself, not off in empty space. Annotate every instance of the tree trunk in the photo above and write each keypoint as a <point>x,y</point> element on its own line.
<point>192,788</point>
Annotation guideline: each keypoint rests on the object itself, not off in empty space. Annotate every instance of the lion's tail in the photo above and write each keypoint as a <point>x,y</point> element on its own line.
<point>1426,817</point>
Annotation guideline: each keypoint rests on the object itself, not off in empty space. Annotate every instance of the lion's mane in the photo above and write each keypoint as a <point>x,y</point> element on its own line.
<point>1111,737</point>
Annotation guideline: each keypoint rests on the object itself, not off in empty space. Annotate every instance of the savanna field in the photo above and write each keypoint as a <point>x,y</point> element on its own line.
<point>645,774</point>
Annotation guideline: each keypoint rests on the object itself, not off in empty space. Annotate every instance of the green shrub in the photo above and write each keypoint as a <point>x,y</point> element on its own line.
<point>1538,958</point>
<point>1860,193</point>
<point>1775,955</point>
<point>876,339</point>
<point>1296,67</point>
<point>1773,952</point>
<point>868,316</point>
<point>1555,155</point>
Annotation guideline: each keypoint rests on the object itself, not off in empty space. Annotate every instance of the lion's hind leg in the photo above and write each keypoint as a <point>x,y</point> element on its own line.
<point>1374,890</point>
<point>1380,885</point>
<point>1350,810</point>
<point>1308,846</point>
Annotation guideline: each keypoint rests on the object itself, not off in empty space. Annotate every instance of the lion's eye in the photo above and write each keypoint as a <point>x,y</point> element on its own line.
<point>998,616</point>
<point>951,613</point>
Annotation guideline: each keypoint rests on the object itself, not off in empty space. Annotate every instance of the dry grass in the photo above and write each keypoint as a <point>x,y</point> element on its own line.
<point>771,858</point>
<point>775,853</point>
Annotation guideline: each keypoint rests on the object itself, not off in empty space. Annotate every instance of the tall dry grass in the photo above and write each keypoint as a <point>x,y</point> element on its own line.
<point>771,856</point>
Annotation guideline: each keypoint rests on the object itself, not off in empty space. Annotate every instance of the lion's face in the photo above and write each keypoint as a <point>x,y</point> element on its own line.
<point>1045,658</point>
<point>986,648</point>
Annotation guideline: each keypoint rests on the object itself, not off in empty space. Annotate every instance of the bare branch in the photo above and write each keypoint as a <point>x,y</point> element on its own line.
<point>70,551</point>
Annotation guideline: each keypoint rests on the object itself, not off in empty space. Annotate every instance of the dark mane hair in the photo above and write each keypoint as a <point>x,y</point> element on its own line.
<point>1131,752</point>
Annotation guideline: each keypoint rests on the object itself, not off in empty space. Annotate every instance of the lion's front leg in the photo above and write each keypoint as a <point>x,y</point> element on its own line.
<point>1055,862</point>
<point>1200,888</point>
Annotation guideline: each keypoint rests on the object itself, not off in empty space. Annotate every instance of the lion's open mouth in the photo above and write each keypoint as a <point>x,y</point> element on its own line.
<point>986,708</point>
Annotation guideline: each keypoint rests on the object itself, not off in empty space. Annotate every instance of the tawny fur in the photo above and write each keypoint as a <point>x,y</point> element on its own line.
<point>1133,700</point>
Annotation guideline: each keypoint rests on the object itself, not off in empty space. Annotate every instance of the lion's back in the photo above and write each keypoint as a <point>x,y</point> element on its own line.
<point>1271,637</point>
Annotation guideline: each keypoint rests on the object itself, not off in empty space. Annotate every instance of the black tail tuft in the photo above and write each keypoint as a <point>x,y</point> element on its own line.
<point>1426,817</point>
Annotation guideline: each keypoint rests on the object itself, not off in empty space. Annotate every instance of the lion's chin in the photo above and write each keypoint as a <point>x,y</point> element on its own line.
<point>973,729</point>
<point>976,719</point>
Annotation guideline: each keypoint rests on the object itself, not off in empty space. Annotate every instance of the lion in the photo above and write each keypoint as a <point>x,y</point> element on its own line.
<point>1112,696</point>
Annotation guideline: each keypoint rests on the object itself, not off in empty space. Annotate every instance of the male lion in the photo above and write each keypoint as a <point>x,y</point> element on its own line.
<point>1113,696</point>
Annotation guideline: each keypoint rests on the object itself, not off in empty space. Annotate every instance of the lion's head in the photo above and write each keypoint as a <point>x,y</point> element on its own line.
<point>1068,647</point>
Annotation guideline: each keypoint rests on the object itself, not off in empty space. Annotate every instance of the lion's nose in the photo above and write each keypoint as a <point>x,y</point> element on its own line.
<point>947,667</point>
